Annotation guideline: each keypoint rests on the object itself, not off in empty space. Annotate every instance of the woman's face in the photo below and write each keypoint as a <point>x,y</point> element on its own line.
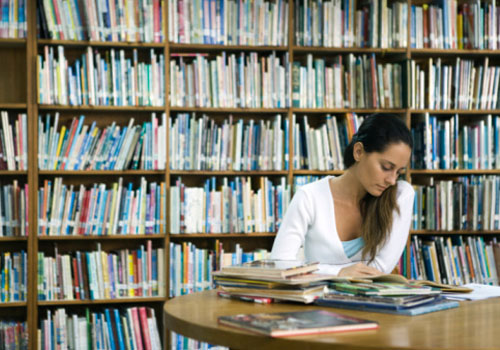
<point>378,171</point>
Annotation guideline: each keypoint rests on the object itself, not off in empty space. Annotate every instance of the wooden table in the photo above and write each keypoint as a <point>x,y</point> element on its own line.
<point>474,325</point>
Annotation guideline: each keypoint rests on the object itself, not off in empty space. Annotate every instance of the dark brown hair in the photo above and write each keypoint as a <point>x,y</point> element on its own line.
<point>376,133</point>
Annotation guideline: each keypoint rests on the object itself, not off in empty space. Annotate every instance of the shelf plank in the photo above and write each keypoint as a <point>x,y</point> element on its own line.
<point>180,48</point>
<point>228,110</point>
<point>221,235</point>
<point>303,172</point>
<point>13,239</point>
<point>102,108</point>
<point>102,301</point>
<point>13,172</point>
<point>356,50</point>
<point>456,111</point>
<point>85,43</point>
<point>454,172</point>
<point>453,52</point>
<point>100,172</point>
<point>8,42</point>
<point>6,105</point>
<point>348,110</point>
<point>455,232</point>
<point>13,304</point>
<point>227,173</point>
<point>98,238</point>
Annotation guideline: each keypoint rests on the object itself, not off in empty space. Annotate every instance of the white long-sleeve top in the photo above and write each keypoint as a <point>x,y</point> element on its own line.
<point>310,222</point>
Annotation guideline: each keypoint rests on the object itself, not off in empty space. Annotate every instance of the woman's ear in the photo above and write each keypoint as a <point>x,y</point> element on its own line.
<point>358,151</point>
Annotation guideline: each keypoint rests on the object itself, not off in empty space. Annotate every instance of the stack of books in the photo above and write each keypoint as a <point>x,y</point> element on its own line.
<point>389,294</point>
<point>267,280</point>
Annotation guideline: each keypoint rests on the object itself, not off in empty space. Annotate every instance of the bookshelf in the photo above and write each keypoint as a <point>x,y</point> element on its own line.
<point>19,93</point>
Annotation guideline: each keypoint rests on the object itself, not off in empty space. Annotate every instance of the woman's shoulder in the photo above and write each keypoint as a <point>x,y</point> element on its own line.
<point>405,189</point>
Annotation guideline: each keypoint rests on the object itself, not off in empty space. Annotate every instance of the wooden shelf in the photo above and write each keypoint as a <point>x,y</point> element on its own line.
<point>453,52</point>
<point>455,172</point>
<point>11,43</point>
<point>100,172</point>
<point>13,172</point>
<point>455,232</point>
<point>199,48</point>
<point>346,50</point>
<point>136,109</point>
<point>5,105</point>
<point>348,110</point>
<point>228,173</point>
<point>236,110</point>
<point>102,301</point>
<point>220,235</point>
<point>84,43</point>
<point>456,111</point>
<point>13,239</point>
<point>13,304</point>
<point>318,172</point>
<point>100,238</point>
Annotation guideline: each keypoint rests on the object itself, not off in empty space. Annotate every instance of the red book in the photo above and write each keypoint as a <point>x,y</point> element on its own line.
<point>76,284</point>
<point>136,327</point>
<point>145,328</point>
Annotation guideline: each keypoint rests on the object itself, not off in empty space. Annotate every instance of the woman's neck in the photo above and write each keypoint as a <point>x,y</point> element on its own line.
<point>348,188</point>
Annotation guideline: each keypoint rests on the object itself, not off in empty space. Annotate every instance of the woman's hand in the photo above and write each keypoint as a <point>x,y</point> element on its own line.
<point>358,270</point>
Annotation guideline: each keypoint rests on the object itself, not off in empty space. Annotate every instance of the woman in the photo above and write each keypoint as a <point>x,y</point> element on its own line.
<point>356,224</point>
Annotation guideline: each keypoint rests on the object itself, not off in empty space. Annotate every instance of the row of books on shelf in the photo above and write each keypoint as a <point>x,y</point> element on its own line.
<point>454,25</point>
<point>81,146</point>
<point>339,23</point>
<point>191,267</point>
<point>13,142</point>
<point>230,80</point>
<point>110,328</point>
<point>101,209</point>
<point>359,82</point>
<point>202,144</point>
<point>179,342</point>
<point>453,143</point>
<point>94,275</point>
<point>455,260</point>
<point>323,147</point>
<point>14,334</point>
<point>464,85</point>
<point>228,22</point>
<point>13,276</point>
<point>14,209</point>
<point>107,20</point>
<point>13,19</point>
<point>109,78</point>
<point>469,203</point>
<point>236,206</point>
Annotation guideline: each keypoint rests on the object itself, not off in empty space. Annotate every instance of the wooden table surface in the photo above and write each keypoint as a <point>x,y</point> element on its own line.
<point>473,325</point>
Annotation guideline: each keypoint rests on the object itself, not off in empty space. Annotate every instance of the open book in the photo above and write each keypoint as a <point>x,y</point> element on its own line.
<point>401,279</point>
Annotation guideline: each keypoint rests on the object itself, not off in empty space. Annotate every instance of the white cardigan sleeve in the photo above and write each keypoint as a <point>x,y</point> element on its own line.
<point>389,254</point>
<point>291,234</point>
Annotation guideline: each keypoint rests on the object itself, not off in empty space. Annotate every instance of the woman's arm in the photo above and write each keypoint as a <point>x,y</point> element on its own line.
<point>293,229</point>
<point>390,253</point>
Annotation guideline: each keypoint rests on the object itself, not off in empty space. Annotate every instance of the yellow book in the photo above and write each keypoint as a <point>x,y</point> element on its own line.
<point>131,275</point>
<point>105,274</point>
<point>59,146</point>
<point>109,224</point>
<point>460,31</point>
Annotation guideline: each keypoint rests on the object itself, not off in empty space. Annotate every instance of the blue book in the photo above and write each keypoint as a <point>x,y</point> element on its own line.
<point>433,306</point>
<point>119,330</point>
<point>109,321</point>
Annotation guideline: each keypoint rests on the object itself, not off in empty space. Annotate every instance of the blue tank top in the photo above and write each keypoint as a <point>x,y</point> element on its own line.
<point>353,246</point>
